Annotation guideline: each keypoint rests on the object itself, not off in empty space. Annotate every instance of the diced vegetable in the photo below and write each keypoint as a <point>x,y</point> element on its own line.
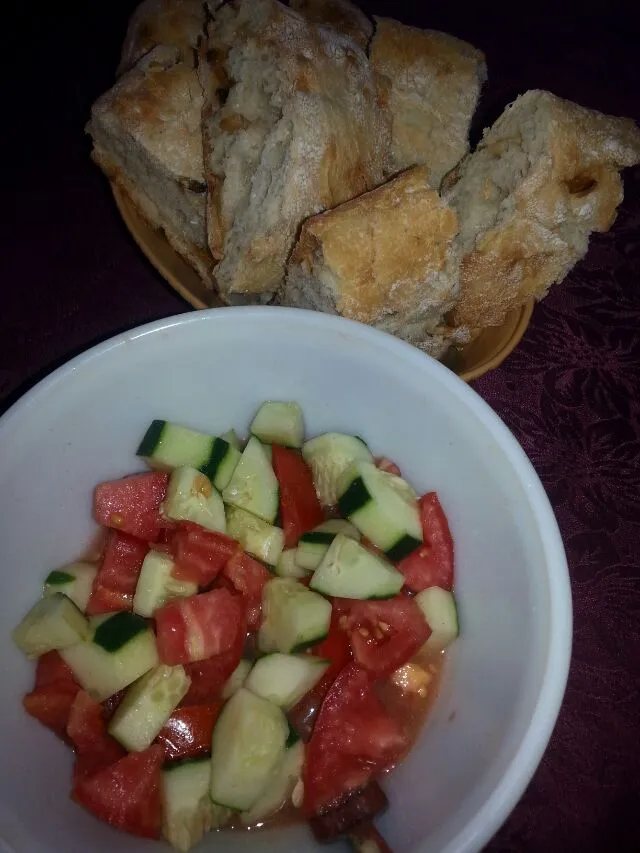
<point>118,574</point>
<point>348,570</point>
<point>188,731</point>
<point>157,584</point>
<point>132,504</point>
<point>329,455</point>
<point>248,577</point>
<point>51,704</point>
<point>53,623</point>
<point>280,787</point>
<point>279,423</point>
<point>284,679</point>
<point>237,679</point>
<point>75,580</point>
<point>191,497</point>
<point>431,564</point>
<point>293,617</point>
<point>186,807</point>
<point>231,438</point>
<point>441,613</point>
<point>201,554</point>
<point>253,486</point>
<point>256,536</point>
<point>312,546</point>
<point>95,749</point>
<point>287,566</point>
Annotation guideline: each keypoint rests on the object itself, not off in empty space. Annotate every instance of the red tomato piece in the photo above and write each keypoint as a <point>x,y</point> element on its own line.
<point>126,794</point>
<point>353,740</point>
<point>385,634</point>
<point>188,731</point>
<point>300,508</point>
<point>432,563</point>
<point>208,677</point>
<point>87,731</point>
<point>132,504</point>
<point>51,668</point>
<point>387,465</point>
<point>248,577</point>
<point>51,704</point>
<point>335,647</point>
<point>200,554</point>
<point>115,583</point>
<point>110,705</point>
<point>196,628</point>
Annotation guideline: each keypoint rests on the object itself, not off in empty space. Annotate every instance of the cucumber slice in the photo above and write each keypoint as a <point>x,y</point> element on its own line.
<point>279,423</point>
<point>328,456</point>
<point>166,446</point>
<point>53,623</point>
<point>313,545</point>
<point>256,536</point>
<point>147,706</point>
<point>231,437</point>
<point>248,744</point>
<point>280,787</point>
<point>237,679</point>
<point>156,584</point>
<point>191,497</point>
<point>120,649</point>
<point>383,507</point>
<point>187,812</point>
<point>348,570</point>
<point>293,617</point>
<point>253,486</point>
<point>75,580</point>
<point>287,566</point>
<point>441,614</point>
<point>285,679</point>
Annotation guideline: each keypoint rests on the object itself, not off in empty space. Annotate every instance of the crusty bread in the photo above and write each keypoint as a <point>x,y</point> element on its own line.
<point>342,15</point>
<point>175,23</point>
<point>146,134</point>
<point>544,176</point>
<point>434,82</point>
<point>300,131</point>
<point>388,259</point>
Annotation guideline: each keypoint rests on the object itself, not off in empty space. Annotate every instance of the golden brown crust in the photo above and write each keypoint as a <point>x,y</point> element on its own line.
<point>342,15</point>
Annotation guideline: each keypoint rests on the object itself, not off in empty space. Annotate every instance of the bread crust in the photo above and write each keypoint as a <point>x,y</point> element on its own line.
<point>341,15</point>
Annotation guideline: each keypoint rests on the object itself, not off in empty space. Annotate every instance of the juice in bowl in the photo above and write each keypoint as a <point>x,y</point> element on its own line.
<point>261,637</point>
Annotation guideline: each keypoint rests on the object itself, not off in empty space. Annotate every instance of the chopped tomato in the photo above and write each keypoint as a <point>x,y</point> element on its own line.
<point>354,739</point>
<point>208,677</point>
<point>110,705</point>
<point>188,731</point>
<point>196,628</point>
<point>115,583</point>
<point>387,465</point>
<point>132,504</point>
<point>432,563</point>
<point>300,508</point>
<point>335,647</point>
<point>127,794</point>
<point>200,554</point>
<point>51,704</point>
<point>368,544</point>
<point>51,668</point>
<point>87,731</point>
<point>248,577</point>
<point>385,634</point>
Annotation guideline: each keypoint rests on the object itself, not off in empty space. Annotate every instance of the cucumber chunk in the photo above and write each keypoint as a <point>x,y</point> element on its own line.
<point>293,617</point>
<point>53,623</point>
<point>285,679</point>
<point>256,536</point>
<point>191,497</point>
<point>287,566</point>
<point>279,423</point>
<point>313,545</point>
<point>147,706</point>
<point>348,570</point>
<point>383,507</point>
<point>253,486</point>
<point>237,679</point>
<point>248,744</point>
<point>328,456</point>
<point>74,580</point>
<point>231,437</point>
<point>187,811</point>
<point>156,584</point>
<point>280,787</point>
<point>120,649</point>
<point>441,614</point>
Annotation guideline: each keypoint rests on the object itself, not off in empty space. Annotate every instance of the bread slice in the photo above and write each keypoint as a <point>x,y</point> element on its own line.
<point>544,176</point>
<point>434,83</point>
<point>387,258</point>
<point>300,131</point>
<point>147,139</point>
<point>342,15</point>
<point>175,23</point>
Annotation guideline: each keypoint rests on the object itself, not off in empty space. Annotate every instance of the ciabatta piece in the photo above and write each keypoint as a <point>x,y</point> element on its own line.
<point>388,259</point>
<point>146,135</point>
<point>299,132</point>
<point>342,15</point>
<point>174,23</point>
<point>545,176</point>
<point>434,84</point>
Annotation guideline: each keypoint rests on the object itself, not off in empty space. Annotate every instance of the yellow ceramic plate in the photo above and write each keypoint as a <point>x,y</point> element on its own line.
<point>488,350</point>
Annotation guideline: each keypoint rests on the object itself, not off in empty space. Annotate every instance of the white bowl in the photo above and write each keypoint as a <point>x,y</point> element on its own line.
<point>506,675</point>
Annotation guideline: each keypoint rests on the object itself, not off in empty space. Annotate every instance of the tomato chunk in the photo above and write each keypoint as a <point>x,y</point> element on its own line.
<point>432,563</point>
<point>196,628</point>
<point>354,739</point>
<point>385,634</point>
<point>300,508</point>
<point>51,668</point>
<point>51,705</point>
<point>200,554</point>
<point>248,577</point>
<point>188,731</point>
<point>115,583</point>
<point>132,504</point>
<point>335,647</point>
<point>126,794</point>
<point>87,731</point>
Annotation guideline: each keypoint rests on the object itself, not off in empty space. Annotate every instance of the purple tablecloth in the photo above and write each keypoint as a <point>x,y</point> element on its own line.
<point>71,275</point>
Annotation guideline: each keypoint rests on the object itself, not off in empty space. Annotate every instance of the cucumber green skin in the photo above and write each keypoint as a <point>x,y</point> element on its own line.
<point>118,630</point>
<point>317,537</point>
<point>57,578</point>
<point>151,438</point>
